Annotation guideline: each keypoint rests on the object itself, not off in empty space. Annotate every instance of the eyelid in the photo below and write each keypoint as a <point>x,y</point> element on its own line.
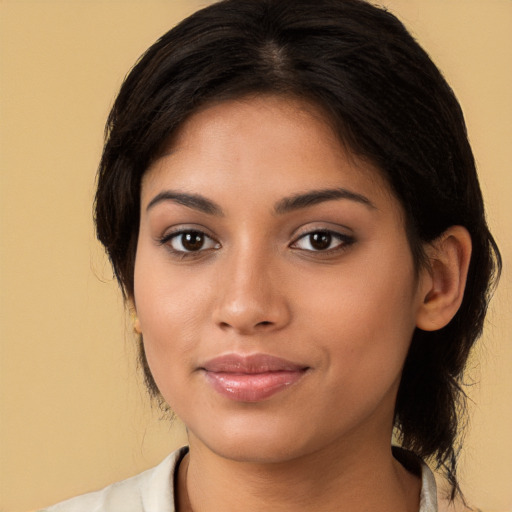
<point>175,232</point>
<point>345,240</point>
<point>177,229</point>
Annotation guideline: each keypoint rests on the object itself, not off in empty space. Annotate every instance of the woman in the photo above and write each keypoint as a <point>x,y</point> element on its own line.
<point>291,207</point>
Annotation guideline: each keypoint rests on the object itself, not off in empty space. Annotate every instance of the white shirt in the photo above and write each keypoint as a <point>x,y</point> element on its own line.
<point>153,491</point>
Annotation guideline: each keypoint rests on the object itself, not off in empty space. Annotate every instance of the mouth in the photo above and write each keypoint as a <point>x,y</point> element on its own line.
<point>251,378</point>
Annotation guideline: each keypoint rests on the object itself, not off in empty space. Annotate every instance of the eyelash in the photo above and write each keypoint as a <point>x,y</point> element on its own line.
<point>170,237</point>
<point>344,242</point>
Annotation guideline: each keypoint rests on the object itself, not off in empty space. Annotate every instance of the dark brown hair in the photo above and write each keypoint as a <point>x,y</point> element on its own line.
<point>388,103</point>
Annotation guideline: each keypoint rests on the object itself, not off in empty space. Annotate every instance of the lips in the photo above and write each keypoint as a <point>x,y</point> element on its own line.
<point>251,378</point>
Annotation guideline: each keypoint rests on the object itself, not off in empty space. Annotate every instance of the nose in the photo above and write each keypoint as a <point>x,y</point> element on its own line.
<point>252,296</point>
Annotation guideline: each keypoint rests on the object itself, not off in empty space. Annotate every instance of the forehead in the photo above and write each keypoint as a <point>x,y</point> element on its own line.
<point>268,145</point>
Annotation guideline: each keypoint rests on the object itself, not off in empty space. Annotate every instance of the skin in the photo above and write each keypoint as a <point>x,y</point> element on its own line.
<point>258,285</point>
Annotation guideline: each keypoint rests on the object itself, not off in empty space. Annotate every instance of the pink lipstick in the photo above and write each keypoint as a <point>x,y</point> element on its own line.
<point>251,378</point>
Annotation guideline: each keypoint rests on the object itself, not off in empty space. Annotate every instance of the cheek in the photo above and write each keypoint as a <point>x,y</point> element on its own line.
<point>167,296</point>
<point>370,292</point>
<point>364,316</point>
<point>171,307</point>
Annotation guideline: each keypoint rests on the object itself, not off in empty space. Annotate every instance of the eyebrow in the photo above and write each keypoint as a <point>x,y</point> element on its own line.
<point>195,201</point>
<point>313,197</point>
<point>285,205</point>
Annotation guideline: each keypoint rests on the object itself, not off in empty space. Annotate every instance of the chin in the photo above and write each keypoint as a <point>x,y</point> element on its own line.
<point>259,442</point>
<point>260,450</point>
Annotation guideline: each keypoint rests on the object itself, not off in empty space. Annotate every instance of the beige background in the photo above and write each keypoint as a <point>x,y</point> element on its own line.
<point>74,416</point>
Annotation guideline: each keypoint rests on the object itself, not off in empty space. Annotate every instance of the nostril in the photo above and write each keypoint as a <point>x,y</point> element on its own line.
<point>265,322</point>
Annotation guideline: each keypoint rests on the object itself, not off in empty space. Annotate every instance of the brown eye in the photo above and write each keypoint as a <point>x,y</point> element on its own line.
<point>320,241</point>
<point>191,241</point>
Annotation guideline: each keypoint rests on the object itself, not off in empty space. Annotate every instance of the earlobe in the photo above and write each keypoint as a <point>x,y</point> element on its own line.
<point>134,318</point>
<point>136,325</point>
<point>444,281</point>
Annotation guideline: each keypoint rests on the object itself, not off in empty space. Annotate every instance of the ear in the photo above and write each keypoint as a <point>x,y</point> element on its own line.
<point>134,317</point>
<point>444,280</point>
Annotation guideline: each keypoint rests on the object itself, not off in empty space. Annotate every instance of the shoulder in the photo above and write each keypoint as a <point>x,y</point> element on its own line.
<point>147,491</point>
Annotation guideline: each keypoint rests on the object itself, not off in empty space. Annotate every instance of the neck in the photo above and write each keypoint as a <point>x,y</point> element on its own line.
<point>361,477</point>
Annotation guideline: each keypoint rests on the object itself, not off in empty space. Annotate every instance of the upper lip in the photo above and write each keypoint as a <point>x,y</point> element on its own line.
<point>254,363</point>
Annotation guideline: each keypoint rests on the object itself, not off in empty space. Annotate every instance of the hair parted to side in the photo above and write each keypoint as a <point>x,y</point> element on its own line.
<point>388,103</point>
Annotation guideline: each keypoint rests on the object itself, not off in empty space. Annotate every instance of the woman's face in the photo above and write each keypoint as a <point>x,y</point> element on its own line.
<point>274,284</point>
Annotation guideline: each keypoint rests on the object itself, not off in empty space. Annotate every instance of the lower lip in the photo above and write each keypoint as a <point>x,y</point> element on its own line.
<point>252,387</point>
